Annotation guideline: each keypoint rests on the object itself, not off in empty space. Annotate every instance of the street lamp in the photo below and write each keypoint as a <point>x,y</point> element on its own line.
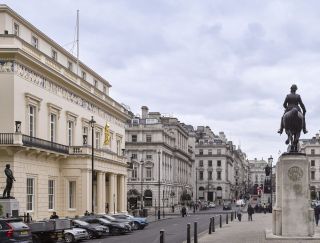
<point>159,184</point>
<point>92,122</point>
<point>270,160</point>
<point>141,197</point>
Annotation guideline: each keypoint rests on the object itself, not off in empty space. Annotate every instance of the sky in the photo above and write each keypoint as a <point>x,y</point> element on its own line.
<point>219,63</point>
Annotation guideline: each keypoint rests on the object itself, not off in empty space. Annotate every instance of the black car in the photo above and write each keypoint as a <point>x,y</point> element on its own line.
<point>14,230</point>
<point>114,228</point>
<point>126,222</point>
<point>94,230</point>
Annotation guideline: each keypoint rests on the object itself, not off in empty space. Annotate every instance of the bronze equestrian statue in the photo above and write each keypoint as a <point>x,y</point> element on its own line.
<point>293,121</point>
<point>10,179</point>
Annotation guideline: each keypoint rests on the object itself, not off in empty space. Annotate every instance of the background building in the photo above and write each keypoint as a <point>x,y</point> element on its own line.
<point>160,151</point>
<point>221,170</point>
<point>54,97</point>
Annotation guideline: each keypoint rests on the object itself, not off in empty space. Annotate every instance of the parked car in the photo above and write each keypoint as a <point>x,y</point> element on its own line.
<point>240,202</point>
<point>94,230</point>
<point>226,205</point>
<point>114,228</point>
<point>75,234</point>
<point>127,222</point>
<point>138,223</point>
<point>14,230</point>
<point>211,205</point>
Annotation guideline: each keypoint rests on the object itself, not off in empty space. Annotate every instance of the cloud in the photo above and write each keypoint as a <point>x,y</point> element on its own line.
<point>227,64</point>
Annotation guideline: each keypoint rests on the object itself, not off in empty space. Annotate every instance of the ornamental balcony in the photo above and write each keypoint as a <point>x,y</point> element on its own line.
<point>22,140</point>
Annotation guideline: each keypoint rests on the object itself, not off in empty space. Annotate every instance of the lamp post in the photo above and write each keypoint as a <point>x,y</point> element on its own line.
<point>92,122</point>
<point>141,197</point>
<point>270,160</point>
<point>159,184</point>
<point>196,184</point>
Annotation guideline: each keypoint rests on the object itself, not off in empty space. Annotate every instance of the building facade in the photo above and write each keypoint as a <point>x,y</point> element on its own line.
<point>221,170</point>
<point>52,98</point>
<point>257,176</point>
<point>160,152</point>
<point>312,149</point>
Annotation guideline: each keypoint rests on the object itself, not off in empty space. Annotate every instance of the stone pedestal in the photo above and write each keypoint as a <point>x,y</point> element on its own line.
<point>10,207</point>
<point>292,215</point>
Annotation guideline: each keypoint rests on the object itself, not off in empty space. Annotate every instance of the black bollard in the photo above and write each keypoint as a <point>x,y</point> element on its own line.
<point>231,217</point>
<point>227,218</point>
<point>210,226</point>
<point>213,225</point>
<point>220,221</point>
<point>195,233</point>
<point>162,236</point>
<point>188,234</point>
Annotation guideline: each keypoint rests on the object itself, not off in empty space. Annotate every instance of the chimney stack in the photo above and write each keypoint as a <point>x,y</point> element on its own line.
<point>144,112</point>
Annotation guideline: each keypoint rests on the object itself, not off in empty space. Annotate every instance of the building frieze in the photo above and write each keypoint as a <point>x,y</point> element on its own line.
<point>10,66</point>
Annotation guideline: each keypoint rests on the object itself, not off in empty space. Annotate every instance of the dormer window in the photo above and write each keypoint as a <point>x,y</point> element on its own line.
<point>54,55</point>
<point>70,66</point>
<point>84,75</point>
<point>95,83</point>
<point>34,42</point>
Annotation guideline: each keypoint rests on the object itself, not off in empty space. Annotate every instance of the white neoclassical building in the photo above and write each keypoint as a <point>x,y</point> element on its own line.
<point>50,153</point>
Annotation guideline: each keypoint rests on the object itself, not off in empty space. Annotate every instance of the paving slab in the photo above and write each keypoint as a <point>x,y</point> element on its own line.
<point>249,232</point>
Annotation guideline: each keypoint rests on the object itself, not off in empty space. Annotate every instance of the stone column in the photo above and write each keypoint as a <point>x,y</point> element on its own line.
<point>121,194</point>
<point>116,193</point>
<point>111,192</point>
<point>101,199</point>
<point>85,190</point>
<point>125,194</point>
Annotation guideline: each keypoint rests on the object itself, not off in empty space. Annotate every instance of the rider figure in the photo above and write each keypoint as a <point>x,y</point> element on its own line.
<point>293,100</point>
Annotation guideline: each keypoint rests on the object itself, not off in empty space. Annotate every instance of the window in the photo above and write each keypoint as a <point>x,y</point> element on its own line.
<point>134,156</point>
<point>218,151</point>
<point>95,83</point>
<point>70,66</point>
<point>312,151</point>
<point>219,163</point>
<point>134,172</point>
<point>32,121</point>
<point>209,163</point>
<point>34,42</point>
<point>53,127</point>
<point>84,75</point>
<point>210,152</point>
<point>148,173</point>
<point>54,55</point>
<point>104,89</point>
<point>16,29</point>
<point>201,151</point>
<point>30,194</point>
<point>85,131</point>
<point>98,140</point>
<point>209,175</point>
<point>51,191</point>
<point>118,146</point>
<point>72,194</point>
<point>70,126</point>
<point>201,163</point>
<point>148,138</point>
<point>200,175</point>
<point>313,163</point>
<point>312,175</point>
<point>149,156</point>
<point>218,175</point>
<point>134,138</point>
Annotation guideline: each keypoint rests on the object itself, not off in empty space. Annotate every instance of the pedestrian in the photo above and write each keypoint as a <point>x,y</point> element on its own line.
<point>250,212</point>
<point>86,213</point>
<point>316,213</point>
<point>183,211</point>
<point>264,208</point>
<point>239,213</point>
<point>172,207</point>
<point>54,216</point>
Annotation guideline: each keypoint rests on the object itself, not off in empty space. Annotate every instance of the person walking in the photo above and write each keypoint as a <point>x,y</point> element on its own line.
<point>250,212</point>
<point>264,208</point>
<point>239,213</point>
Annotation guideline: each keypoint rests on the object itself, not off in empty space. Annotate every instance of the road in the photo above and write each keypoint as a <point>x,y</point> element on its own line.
<point>175,229</point>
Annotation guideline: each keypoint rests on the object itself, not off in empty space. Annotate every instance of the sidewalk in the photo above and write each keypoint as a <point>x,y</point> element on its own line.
<point>247,231</point>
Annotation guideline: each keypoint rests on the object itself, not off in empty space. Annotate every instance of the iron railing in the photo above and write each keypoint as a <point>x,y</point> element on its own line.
<point>6,138</point>
<point>41,143</point>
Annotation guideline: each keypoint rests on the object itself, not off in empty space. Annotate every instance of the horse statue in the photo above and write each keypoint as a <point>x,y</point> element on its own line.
<point>293,124</point>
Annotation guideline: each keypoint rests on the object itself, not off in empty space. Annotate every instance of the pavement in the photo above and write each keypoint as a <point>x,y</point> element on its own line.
<point>247,231</point>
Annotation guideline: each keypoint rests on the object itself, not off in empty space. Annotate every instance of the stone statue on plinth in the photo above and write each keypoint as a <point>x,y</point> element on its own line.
<point>293,120</point>
<point>10,179</point>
